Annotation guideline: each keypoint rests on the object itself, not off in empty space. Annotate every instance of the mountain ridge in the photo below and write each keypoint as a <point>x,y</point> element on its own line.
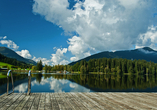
<point>145,53</point>
<point>12,54</point>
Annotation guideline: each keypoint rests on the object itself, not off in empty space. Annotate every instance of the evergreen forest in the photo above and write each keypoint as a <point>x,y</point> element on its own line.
<point>108,66</point>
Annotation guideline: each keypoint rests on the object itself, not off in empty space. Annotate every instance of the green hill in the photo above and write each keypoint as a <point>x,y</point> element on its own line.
<point>145,53</point>
<point>11,54</point>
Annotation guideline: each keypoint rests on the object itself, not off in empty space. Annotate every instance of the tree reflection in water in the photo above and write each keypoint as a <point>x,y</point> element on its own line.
<point>38,77</point>
<point>93,82</point>
<point>101,82</point>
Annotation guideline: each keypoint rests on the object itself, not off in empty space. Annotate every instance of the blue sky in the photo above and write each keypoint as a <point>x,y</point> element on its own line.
<point>62,31</point>
<point>29,31</point>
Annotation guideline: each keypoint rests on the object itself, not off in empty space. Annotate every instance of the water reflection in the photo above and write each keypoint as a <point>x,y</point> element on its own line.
<point>83,83</point>
<point>56,85</point>
<point>21,88</point>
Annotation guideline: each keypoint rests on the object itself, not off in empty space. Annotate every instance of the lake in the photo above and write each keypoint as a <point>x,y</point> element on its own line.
<point>81,83</point>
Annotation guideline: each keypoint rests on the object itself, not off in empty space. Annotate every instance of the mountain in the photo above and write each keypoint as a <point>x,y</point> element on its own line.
<point>145,53</point>
<point>12,54</point>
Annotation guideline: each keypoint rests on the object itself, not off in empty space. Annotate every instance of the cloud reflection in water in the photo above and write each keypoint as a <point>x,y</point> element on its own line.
<point>52,85</point>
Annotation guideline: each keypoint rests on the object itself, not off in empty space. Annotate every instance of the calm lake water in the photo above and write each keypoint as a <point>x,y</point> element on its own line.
<point>81,83</point>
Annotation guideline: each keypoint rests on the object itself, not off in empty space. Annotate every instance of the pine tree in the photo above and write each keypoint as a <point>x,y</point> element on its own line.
<point>39,65</point>
<point>90,65</point>
<point>46,68</point>
<point>124,68</point>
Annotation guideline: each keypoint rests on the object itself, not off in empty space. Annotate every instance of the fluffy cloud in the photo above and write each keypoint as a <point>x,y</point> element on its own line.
<point>58,57</point>
<point>146,51</point>
<point>149,38</point>
<point>44,60</point>
<point>78,48</point>
<point>101,24</point>
<point>9,43</point>
<point>129,4</point>
<point>24,53</point>
<point>3,37</point>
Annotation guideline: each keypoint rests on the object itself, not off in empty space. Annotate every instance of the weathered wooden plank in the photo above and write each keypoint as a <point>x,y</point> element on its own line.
<point>48,105</point>
<point>35,102</point>
<point>2,95</point>
<point>103,104</point>
<point>114,101</point>
<point>14,105</point>
<point>68,98</point>
<point>94,99</point>
<point>29,102</point>
<point>10,101</point>
<point>148,102</point>
<point>150,96</point>
<point>54,102</point>
<point>8,97</point>
<point>67,105</point>
<point>22,103</point>
<point>128,101</point>
<point>41,104</point>
<point>5,99</point>
<point>93,103</point>
<point>59,101</point>
<point>78,101</point>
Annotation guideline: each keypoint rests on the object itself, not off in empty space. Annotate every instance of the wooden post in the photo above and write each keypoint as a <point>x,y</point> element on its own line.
<point>29,82</point>
<point>8,81</point>
<point>12,81</point>
<point>7,84</point>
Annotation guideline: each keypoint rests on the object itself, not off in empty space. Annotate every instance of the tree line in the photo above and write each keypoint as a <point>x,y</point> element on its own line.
<point>116,66</point>
<point>107,66</point>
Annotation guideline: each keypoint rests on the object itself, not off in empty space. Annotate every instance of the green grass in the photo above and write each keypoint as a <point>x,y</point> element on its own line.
<point>3,76</point>
<point>5,64</point>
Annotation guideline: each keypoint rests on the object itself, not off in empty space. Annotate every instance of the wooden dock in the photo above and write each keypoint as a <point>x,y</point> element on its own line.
<point>78,101</point>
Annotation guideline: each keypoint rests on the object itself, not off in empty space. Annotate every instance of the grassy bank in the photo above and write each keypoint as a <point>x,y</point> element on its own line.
<point>5,64</point>
<point>3,76</point>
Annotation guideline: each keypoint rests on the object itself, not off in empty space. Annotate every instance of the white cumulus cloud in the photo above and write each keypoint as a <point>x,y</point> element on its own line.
<point>58,57</point>
<point>4,37</point>
<point>146,51</point>
<point>44,60</point>
<point>149,38</point>
<point>24,53</point>
<point>102,24</point>
<point>78,48</point>
<point>9,43</point>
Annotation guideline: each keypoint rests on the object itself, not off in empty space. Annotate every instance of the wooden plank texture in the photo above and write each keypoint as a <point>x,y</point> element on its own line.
<point>78,101</point>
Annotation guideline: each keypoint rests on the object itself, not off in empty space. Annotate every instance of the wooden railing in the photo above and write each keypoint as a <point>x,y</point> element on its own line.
<point>29,82</point>
<point>11,81</point>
